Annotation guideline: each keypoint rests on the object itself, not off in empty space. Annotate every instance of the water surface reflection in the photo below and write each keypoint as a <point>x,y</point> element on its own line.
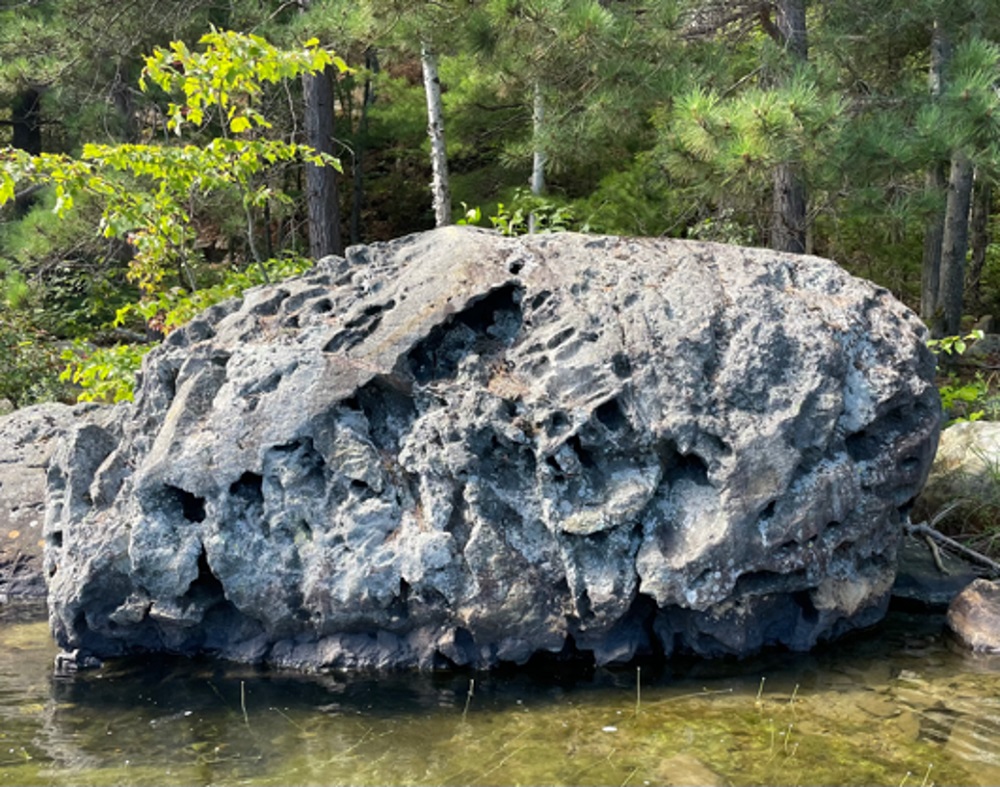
<point>880,708</point>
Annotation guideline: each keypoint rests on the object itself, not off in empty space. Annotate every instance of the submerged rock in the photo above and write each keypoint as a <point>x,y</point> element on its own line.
<point>463,449</point>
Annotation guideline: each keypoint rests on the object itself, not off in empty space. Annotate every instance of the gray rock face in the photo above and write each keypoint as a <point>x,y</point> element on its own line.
<point>27,440</point>
<point>463,449</point>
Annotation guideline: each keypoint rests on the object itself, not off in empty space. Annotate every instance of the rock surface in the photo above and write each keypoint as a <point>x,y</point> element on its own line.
<point>27,439</point>
<point>919,581</point>
<point>463,449</point>
<point>974,616</point>
<point>962,493</point>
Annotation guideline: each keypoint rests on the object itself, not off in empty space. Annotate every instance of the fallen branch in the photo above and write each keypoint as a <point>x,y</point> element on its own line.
<point>923,529</point>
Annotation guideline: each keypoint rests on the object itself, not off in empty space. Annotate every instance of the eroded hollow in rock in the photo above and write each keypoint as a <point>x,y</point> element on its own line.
<point>484,326</point>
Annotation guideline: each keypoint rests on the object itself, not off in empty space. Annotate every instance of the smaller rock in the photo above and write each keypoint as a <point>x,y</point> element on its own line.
<point>987,324</point>
<point>685,769</point>
<point>985,349</point>
<point>69,662</point>
<point>920,583</point>
<point>974,616</point>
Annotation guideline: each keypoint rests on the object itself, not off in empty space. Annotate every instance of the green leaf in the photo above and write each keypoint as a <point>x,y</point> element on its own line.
<point>239,124</point>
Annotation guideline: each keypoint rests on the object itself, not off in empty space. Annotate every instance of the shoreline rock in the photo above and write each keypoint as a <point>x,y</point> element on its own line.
<point>28,437</point>
<point>459,449</point>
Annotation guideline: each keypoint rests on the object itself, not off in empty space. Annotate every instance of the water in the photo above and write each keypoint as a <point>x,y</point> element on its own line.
<point>897,705</point>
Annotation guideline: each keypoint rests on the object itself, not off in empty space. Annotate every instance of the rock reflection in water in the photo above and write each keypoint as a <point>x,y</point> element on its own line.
<point>877,709</point>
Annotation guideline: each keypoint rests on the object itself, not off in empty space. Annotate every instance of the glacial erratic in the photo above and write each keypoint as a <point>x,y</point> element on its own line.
<point>461,449</point>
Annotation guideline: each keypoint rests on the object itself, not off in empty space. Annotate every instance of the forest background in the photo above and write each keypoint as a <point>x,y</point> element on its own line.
<point>145,179</point>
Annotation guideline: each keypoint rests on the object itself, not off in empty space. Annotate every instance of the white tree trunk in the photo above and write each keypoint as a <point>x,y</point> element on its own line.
<point>435,130</point>
<point>538,164</point>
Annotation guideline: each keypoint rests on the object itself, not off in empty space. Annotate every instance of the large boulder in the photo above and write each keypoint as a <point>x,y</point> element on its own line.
<point>27,439</point>
<point>462,449</point>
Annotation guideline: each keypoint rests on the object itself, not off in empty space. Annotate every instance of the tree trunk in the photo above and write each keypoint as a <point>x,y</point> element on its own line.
<point>26,122</point>
<point>26,119</point>
<point>322,198</point>
<point>358,200</point>
<point>788,220</point>
<point>435,130</point>
<point>935,183</point>
<point>538,162</point>
<point>788,227</point>
<point>948,312</point>
<point>979,239</point>
<point>121,94</point>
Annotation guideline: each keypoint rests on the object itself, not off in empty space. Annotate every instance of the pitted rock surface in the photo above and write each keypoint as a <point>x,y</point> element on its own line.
<point>463,449</point>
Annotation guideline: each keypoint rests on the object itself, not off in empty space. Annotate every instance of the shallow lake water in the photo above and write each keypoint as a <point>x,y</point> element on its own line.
<point>896,705</point>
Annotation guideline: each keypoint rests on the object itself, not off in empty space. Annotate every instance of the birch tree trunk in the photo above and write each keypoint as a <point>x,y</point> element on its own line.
<point>435,130</point>
<point>935,184</point>
<point>538,162</point>
<point>322,197</point>
<point>788,221</point>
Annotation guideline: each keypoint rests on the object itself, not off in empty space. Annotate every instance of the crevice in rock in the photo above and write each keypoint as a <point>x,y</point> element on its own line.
<point>560,338</point>
<point>389,411</point>
<point>538,300</point>
<point>399,608</point>
<point>485,326</point>
<point>556,424</point>
<point>587,460</point>
<point>302,298</point>
<point>269,306</point>
<point>246,497</point>
<point>677,465</point>
<point>803,600</point>
<point>764,583</point>
<point>206,589</point>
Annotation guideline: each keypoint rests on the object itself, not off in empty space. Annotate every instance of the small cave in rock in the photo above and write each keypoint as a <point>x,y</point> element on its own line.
<point>678,465</point>
<point>611,414</point>
<point>556,423</point>
<point>486,325</point>
<point>389,411</point>
<point>206,587</point>
<point>764,583</point>
<point>399,606</point>
<point>585,456</point>
<point>190,506</point>
<point>248,489</point>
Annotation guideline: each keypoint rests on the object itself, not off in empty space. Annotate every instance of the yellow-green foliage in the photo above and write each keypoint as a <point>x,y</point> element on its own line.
<point>146,189</point>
